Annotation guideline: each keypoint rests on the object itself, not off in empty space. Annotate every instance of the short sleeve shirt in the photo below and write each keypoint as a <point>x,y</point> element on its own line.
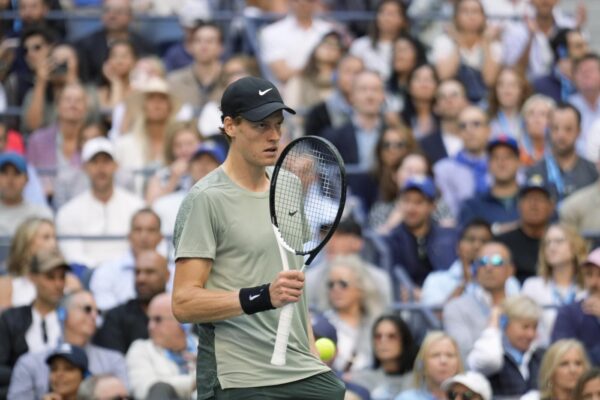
<point>231,226</point>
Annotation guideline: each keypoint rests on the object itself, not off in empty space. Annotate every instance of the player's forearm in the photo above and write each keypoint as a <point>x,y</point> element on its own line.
<point>205,305</point>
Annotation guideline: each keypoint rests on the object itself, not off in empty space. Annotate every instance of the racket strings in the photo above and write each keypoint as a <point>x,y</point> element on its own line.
<point>307,195</point>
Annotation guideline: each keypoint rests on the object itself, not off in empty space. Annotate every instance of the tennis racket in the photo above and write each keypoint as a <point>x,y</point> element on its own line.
<point>306,200</point>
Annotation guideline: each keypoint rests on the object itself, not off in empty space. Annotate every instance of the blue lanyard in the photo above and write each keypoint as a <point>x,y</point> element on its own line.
<point>554,174</point>
<point>560,300</point>
<point>505,125</point>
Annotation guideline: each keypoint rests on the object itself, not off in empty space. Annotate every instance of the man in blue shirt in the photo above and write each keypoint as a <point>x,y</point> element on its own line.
<point>498,206</point>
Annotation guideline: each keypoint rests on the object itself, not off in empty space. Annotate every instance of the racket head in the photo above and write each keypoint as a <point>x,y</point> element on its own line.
<point>307,194</point>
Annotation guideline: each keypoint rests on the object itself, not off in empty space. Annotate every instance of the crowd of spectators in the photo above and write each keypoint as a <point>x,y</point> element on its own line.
<point>470,130</point>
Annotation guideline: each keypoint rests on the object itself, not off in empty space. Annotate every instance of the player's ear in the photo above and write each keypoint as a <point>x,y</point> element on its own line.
<point>228,127</point>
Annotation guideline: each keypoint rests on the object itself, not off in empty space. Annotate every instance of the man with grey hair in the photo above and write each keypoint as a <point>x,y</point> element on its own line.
<point>465,317</point>
<point>77,313</point>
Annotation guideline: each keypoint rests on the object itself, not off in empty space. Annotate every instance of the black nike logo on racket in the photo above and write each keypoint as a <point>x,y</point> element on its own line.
<point>292,213</point>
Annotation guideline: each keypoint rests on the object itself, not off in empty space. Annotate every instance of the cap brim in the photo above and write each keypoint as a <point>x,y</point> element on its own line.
<point>524,191</point>
<point>261,112</point>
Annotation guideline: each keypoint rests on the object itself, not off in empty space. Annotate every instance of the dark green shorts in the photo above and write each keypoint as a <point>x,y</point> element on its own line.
<point>324,386</point>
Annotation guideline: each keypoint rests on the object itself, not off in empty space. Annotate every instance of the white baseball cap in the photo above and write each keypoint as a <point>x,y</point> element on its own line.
<point>474,381</point>
<point>95,146</point>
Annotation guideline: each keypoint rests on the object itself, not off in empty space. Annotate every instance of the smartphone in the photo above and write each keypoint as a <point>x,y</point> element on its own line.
<point>60,69</point>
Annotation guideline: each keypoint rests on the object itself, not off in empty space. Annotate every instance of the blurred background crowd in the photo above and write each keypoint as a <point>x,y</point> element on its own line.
<point>464,265</point>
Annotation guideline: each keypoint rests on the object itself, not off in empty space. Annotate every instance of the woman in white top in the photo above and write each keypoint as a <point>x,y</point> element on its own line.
<point>505,101</point>
<point>470,50</point>
<point>376,49</point>
<point>33,235</point>
<point>563,364</point>
<point>353,301</point>
<point>559,280</point>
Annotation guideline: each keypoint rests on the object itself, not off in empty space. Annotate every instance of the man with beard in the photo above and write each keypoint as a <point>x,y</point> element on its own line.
<point>563,167</point>
<point>129,322</point>
<point>579,320</point>
<point>418,245</point>
<point>104,209</point>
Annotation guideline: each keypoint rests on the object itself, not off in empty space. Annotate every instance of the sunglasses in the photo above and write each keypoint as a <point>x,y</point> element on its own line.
<point>342,284</point>
<point>555,241</point>
<point>34,48</point>
<point>495,260</point>
<point>474,124</point>
<point>393,145</point>
<point>473,239</point>
<point>468,395</point>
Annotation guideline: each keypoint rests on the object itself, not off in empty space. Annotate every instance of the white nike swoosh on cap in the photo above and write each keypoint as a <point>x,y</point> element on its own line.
<point>263,92</point>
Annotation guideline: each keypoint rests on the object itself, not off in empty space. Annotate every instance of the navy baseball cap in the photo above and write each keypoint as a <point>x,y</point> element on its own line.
<point>14,159</point>
<point>535,182</point>
<point>252,98</point>
<point>211,149</point>
<point>503,140</point>
<point>422,184</point>
<point>73,354</point>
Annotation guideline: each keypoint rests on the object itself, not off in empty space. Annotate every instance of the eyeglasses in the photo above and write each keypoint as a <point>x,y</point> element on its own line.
<point>342,284</point>
<point>33,48</point>
<point>468,395</point>
<point>495,260</point>
<point>387,145</point>
<point>449,95</point>
<point>89,309</point>
<point>474,124</point>
<point>157,319</point>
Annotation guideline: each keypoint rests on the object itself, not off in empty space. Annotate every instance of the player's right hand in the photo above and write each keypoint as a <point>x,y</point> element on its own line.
<point>286,288</point>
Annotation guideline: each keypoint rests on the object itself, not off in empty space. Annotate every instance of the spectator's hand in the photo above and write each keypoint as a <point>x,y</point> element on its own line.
<point>286,288</point>
<point>52,396</point>
<point>591,306</point>
<point>495,314</point>
<point>532,25</point>
<point>581,15</point>
<point>109,72</point>
<point>43,70</point>
<point>178,168</point>
<point>492,33</point>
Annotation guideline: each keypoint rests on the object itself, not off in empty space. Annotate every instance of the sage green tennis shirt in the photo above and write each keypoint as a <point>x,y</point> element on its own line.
<point>223,222</point>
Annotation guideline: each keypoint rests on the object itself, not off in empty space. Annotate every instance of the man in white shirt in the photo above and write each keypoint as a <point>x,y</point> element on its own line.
<point>285,45</point>
<point>14,208</point>
<point>103,210</point>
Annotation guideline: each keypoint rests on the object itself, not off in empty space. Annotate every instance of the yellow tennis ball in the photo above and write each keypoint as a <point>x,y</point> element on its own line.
<point>326,349</point>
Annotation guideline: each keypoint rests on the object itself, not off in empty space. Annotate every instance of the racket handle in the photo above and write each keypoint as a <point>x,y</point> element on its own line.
<point>283,334</point>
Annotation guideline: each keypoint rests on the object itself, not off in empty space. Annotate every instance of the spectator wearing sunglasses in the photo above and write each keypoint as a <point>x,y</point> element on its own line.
<point>163,366</point>
<point>466,316</point>
<point>507,351</point>
<point>536,209</point>
<point>103,386</point>
<point>467,386</point>
<point>78,315</point>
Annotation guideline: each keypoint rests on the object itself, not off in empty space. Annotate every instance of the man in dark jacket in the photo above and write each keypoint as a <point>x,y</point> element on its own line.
<point>35,327</point>
<point>581,320</point>
<point>418,245</point>
<point>128,322</point>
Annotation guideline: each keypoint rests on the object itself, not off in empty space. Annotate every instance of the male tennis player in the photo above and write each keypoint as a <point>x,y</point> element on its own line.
<point>228,275</point>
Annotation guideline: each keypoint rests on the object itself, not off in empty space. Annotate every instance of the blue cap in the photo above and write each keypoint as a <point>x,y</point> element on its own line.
<point>423,184</point>
<point>212,149</point>
<point>503,140</point>
<point>535,182</point>
<point>74,354</point>
<point>14,159</point>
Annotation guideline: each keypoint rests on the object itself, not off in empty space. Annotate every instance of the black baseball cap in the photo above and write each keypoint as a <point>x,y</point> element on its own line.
<point>73,354</point>
<point>252,98</point>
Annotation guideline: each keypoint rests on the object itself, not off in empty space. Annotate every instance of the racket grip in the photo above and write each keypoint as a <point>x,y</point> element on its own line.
<point>283,334</point>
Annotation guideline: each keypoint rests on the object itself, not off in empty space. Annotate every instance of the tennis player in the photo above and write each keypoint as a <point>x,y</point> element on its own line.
<point>229,277</point>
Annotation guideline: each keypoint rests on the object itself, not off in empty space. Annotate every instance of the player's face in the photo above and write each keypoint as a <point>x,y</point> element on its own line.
<point>258,142</point>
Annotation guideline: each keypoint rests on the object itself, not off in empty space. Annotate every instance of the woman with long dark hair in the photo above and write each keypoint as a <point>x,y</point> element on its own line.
<point>418,111</point>
<point>394,352</point>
